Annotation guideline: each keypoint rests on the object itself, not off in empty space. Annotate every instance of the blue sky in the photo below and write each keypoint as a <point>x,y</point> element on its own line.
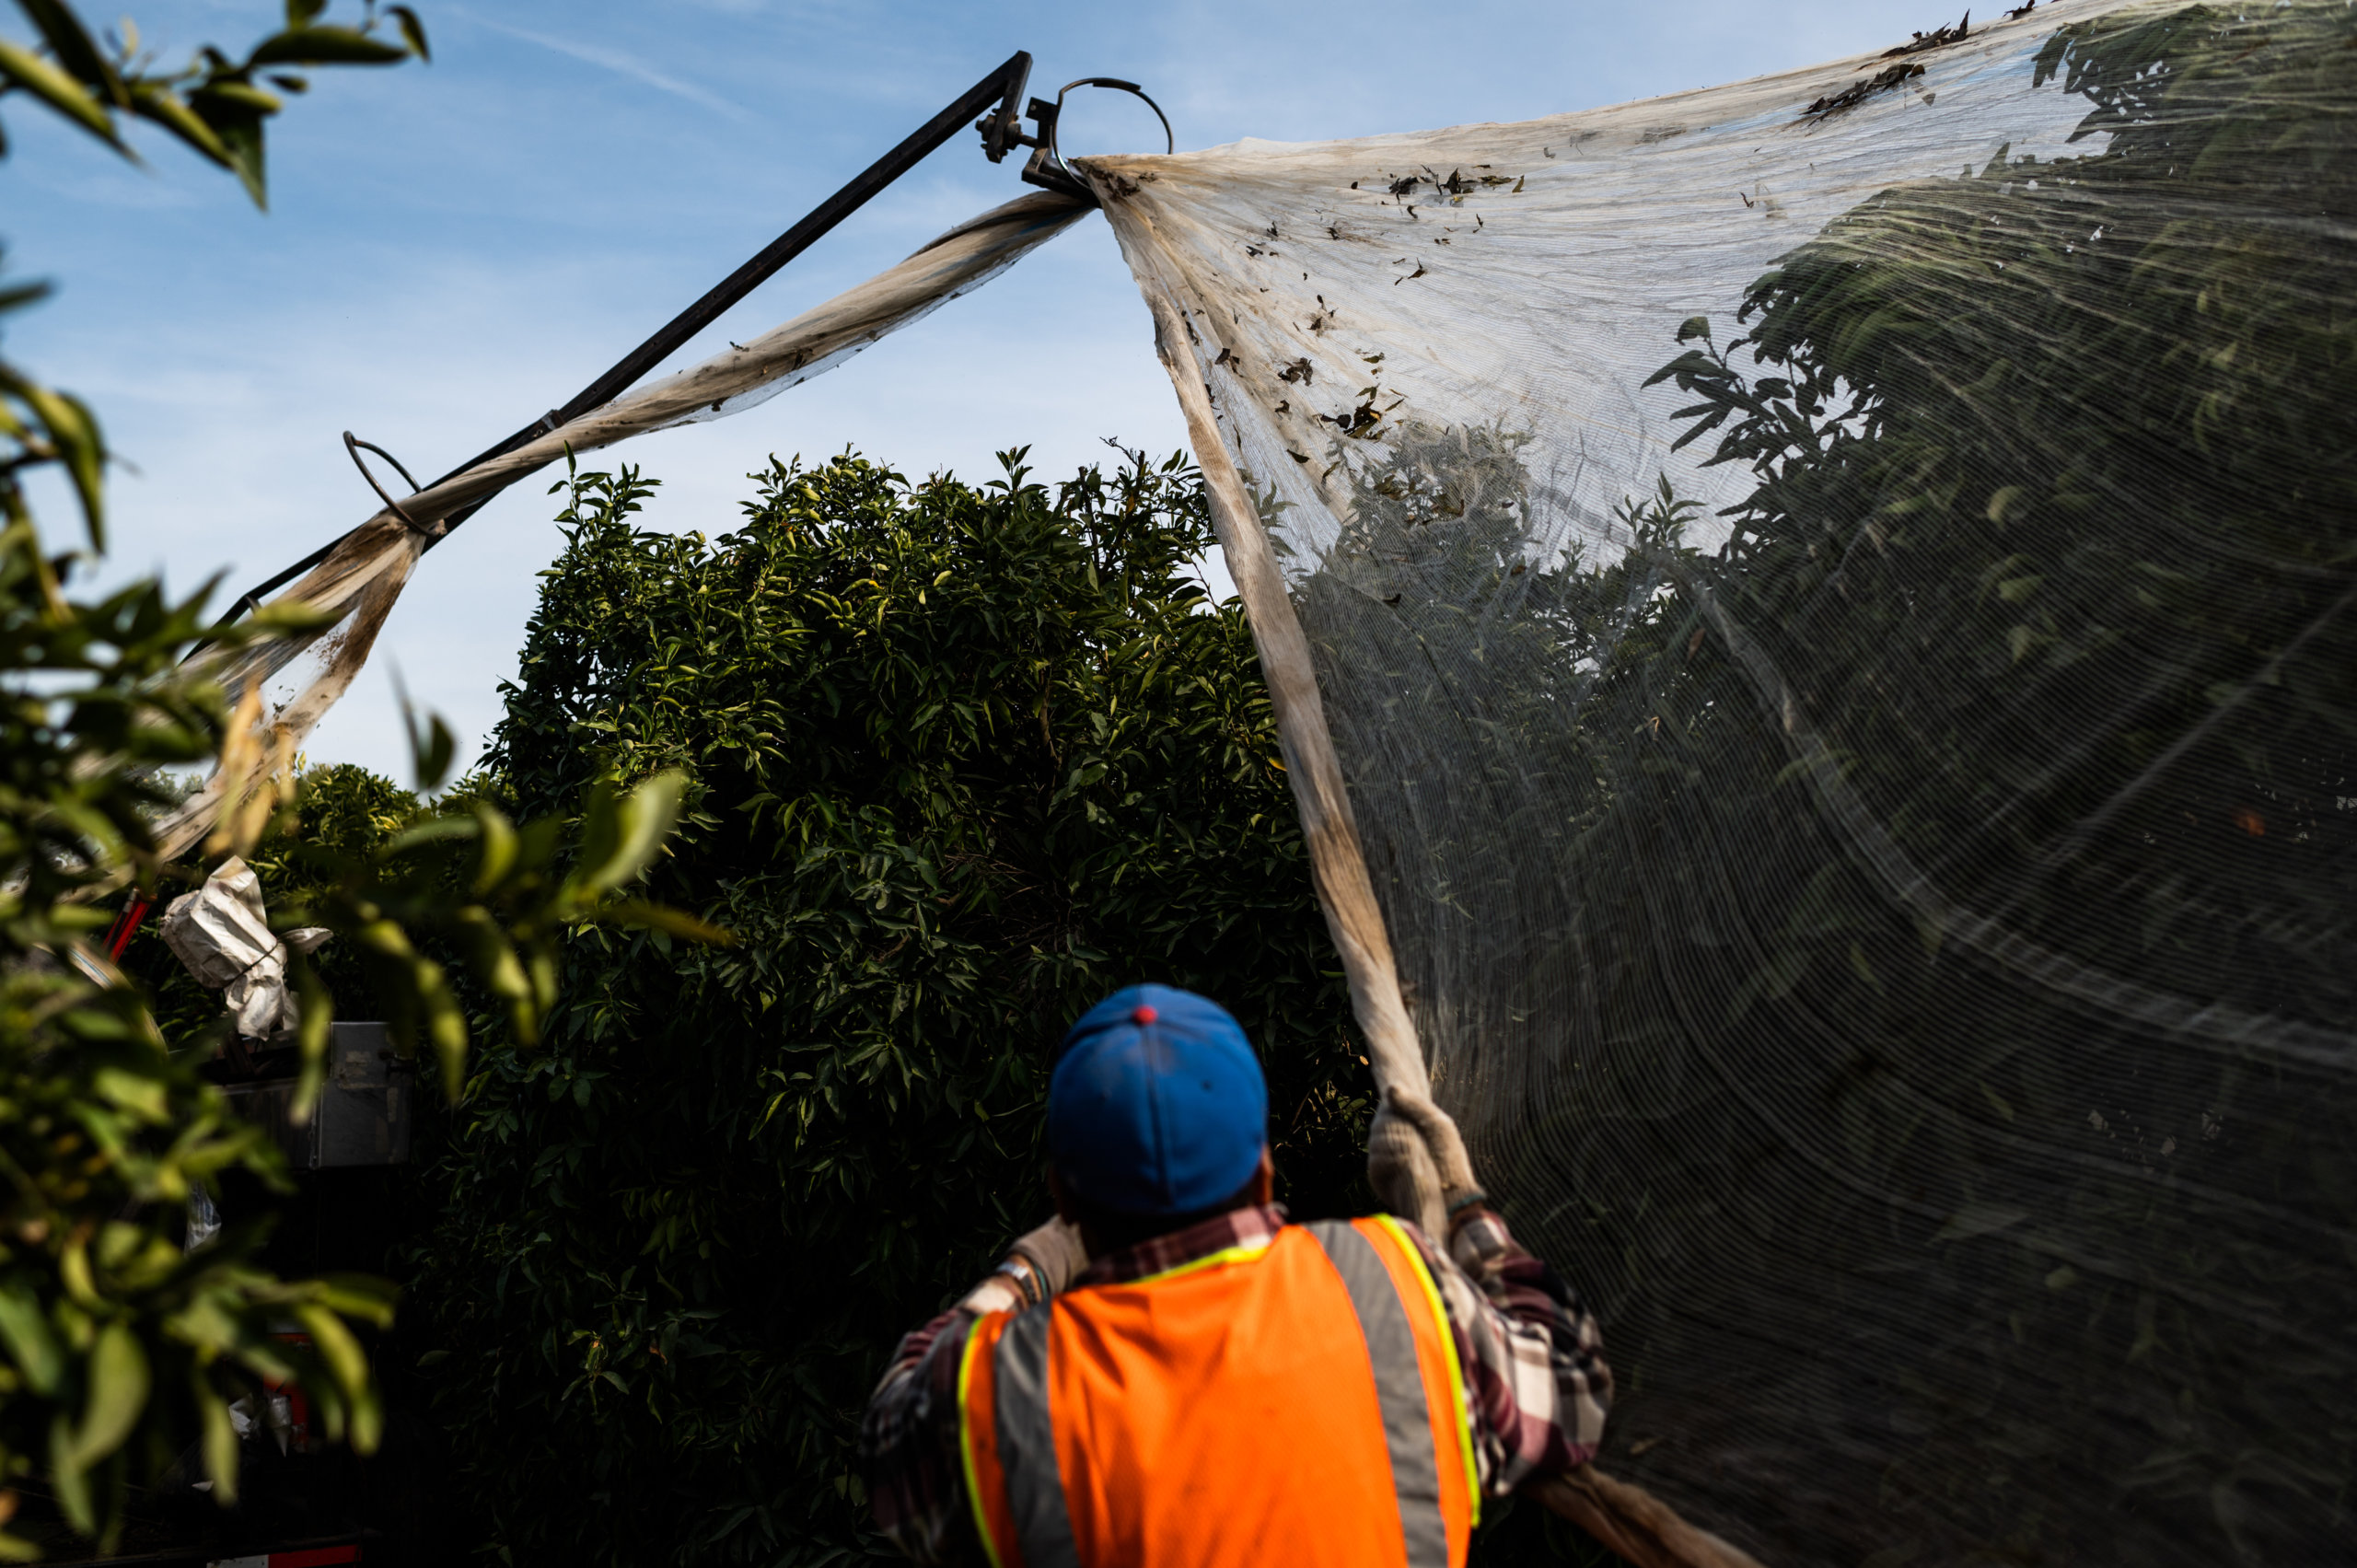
<point>453,249</point>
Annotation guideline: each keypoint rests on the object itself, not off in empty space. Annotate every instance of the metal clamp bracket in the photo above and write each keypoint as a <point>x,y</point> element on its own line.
<point>1004,131</point>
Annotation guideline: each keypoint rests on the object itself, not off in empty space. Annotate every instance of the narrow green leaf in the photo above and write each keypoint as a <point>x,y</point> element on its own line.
<point>434,829</point>
<point>325,46</point>
<point>163,107</point>
<point>445,1022</point>
<point>367,1421</point>
<point>143,1094</point>
<point>76,53</point>
<point>316,1018</point>
<point>632,913</point>
<point>118,1393</point>
<point>25,1328</point>
<point>69,1477</point>
<point>496,855</point>
<point>59,91</point>
<point>73,432</point>
<point>412,30</point>
<point>431,747</point>
<point>627,832</point>
<point>336,1346</point>
<point>238,126</point>
<point>364,1296</point>
<point>290,616</point>
<point>219,1442</point>
<point>245,95</point>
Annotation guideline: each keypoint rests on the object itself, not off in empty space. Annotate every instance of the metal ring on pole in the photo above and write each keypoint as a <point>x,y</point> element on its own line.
<point>1055,155</point>
<point>352,444</point>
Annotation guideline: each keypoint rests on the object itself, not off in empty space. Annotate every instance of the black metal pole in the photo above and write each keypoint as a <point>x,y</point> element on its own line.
<point>1003,86</point>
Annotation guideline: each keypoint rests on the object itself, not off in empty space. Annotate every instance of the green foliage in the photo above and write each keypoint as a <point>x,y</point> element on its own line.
<point>213,105</point>
<point>477,885</point>
<point>961,761</point>
<point>120,1347</point>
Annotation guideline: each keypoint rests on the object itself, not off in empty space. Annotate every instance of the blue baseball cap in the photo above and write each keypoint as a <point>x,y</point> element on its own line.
<point>1157,1106</point>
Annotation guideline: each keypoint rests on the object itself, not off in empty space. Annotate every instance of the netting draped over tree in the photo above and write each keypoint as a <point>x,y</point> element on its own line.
<point>1832,598</point>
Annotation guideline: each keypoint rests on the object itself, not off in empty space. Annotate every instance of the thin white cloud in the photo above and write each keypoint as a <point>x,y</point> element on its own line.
<point>622,65</point>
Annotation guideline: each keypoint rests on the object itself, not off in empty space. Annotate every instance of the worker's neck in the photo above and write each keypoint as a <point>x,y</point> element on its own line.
<point>1103,1233</point>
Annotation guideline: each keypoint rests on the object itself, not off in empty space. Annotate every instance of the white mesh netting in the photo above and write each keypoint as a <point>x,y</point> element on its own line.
<point>1832,596</point>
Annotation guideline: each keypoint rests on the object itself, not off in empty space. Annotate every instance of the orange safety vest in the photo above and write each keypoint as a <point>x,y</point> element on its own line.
<point>1296,1400</point>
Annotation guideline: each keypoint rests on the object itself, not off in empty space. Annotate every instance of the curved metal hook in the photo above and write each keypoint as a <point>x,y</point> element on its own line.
<point>352,444</point>
<point>1055,155</point>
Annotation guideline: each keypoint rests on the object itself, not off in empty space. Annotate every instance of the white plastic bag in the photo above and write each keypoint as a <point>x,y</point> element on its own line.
<point>223,934</point>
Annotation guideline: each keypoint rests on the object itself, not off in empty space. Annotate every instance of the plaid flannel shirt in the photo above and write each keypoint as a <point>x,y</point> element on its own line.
<point>1536,1384</point>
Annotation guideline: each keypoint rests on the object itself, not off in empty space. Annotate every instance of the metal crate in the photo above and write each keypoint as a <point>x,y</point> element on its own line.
<point>363,1117</point>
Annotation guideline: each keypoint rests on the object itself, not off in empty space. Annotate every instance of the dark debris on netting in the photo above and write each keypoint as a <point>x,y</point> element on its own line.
<point>1956,32</point>
<point>1892,76</point>
<point>1857,93</point>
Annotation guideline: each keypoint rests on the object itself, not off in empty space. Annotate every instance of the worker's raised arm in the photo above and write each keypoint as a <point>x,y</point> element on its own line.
<point>1535,1374</point>
<point>1536,1381</point>
<point>908,1444</point>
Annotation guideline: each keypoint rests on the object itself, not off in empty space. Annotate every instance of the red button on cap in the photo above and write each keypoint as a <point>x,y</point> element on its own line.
<point>1143,1016</point>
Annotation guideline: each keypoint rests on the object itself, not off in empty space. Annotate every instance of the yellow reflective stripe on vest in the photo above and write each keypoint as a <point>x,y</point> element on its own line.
<point>1026,1443</point>
<point>966,1354</point>
<point>1460,1407</point>
<point>1242,1252</point>
<point>1398,1387</point>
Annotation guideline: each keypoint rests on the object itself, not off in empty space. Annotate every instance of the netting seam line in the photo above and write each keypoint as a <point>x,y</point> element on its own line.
<point>2084,986</point>
<point>2223,1305</point>
<point>1337,863</point>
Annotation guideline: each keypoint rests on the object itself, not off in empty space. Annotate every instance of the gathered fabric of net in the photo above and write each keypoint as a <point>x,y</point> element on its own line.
<point>348,596</point>
<point>1832,599</point>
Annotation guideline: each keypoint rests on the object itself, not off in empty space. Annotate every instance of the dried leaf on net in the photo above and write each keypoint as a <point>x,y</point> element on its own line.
<point>1851,97</point>
<point>1938,38</point>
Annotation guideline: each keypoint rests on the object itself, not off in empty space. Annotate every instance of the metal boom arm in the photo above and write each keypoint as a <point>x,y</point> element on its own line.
<point>1001,90</point>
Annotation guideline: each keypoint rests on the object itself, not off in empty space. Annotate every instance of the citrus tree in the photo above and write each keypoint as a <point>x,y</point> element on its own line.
<point>122,1347</point>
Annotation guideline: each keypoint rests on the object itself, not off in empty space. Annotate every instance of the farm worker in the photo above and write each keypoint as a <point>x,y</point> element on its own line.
<point>1169,1374</point>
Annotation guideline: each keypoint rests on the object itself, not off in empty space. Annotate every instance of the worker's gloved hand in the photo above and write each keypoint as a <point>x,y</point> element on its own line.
<point>1416,1162</point>
<point>1041,1263</point>
<point>1398,1165</point>
<point>1055,1253</point>
<point>1447,1146</point>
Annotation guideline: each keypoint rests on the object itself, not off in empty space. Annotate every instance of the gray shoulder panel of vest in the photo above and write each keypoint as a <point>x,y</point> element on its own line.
<point>1026,1443</point>
<point>1398,1387</point>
